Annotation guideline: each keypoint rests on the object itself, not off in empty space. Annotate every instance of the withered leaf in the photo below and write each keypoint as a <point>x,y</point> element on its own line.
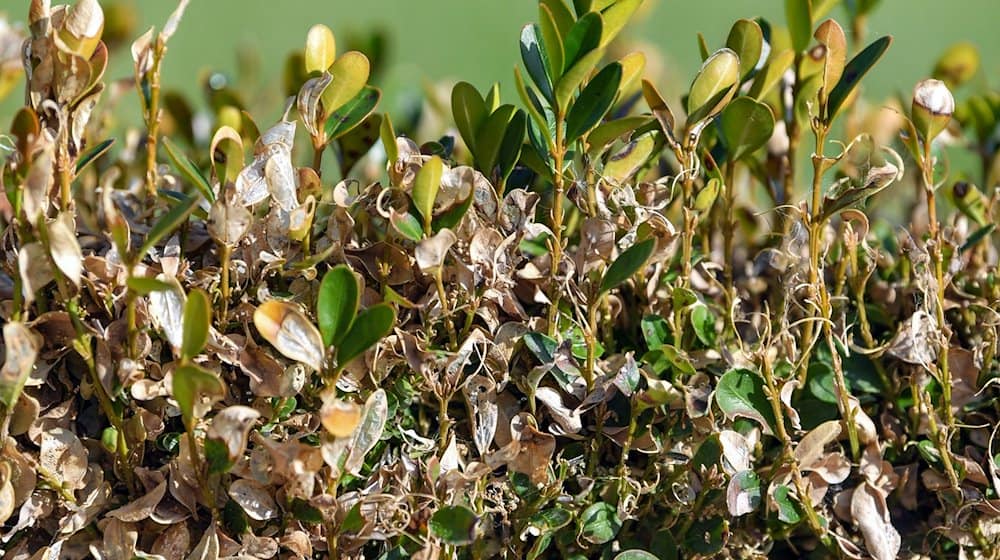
<point>290,331</point>
<point>255,499</point>
<point>140,508</point>
<point>21,346</point>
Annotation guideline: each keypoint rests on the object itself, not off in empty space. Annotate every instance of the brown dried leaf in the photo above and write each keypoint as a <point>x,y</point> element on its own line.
<point>64,247</point>
<point>21,346</point>
<point>255,499</point>
<point>141,508</point>
<point>339,417</point>
<point>871,514</point>
<point>430,252</point>
<point>33,266</point>
<point>64,457</point>
<point>232,426</point>
<point>369,430</point>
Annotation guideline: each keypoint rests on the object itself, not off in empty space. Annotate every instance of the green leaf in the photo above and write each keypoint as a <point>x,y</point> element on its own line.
<point>583,38</point>
<point>454,525</point>
<point>628,263</point>
<point>771,73</point>
<point>854,72</point>
<point>217,456</point>
<point>551,519</point>
<point>469,111</point>
<point>192,387</point>
<point>746,126</point>
<point>636,554</point>
<point>352,113</point>
<point>388,136</point>
<point>562,15</point>
<point>197,320</point>
<point>350,74</point>
<point>92,154</point>
<point>788,512</point>
<point>705,198</point>
<point>337,303</point>
<point>425,189</point>
<point>714,86</point>
<point>370,326</point>
<point>453,215</point>
<point>144,286</point>
<point>407,225</point>
<point>167,223</point>
<point>655,331</point>
<point>551,39</point>
<point>607,132</point>
<point>970,201</point>
<point>599,523</point>
<point>706,536</point>
<point>575,76</point>
<point>491,137</point>
<point>594,101</point>
<point>798,13</point>
<point>627,161</point>
<point>615,18</point>
<point>703,322</point>
<point>535,59</point>
<point>321,49</point>
<point>510,147</point>
<point>188,169</point>
<point>747,41</point>
<point>741,393</point>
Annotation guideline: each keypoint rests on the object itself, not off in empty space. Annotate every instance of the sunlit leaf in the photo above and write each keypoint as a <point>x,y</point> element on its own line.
<point>615,17</point>
<point>746,126</point>
<point>337,303</point>
<point>594,101</point>
<point>425,189</point>
<point>350,74</point>
<point>371,326</point>
<point>628,263</point>
<point>747,41</point>
<point>798,13</point>
<point>854,72</point>
<point>714,85</point>
<point>351,113</point>
<point>290,332</point>
<point>583,38</point>
<point>321,49</point>
<point>741,393</point>
<point>771,73</point>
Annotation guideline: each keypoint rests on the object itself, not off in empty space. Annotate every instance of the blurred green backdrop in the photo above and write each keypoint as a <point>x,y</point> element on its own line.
<point>476,40</point>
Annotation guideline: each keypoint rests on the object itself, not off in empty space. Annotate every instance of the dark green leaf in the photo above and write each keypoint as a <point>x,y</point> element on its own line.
<point>454,525</point>
<point>188,169</point>
<point>453,215</point>
<point>854,72</point>
<point>627,264</point>
<point>337,303</point>
<point>706,536</point>
<point>352,113</point>
<point>535,59</point>
<point>741,393</point>
<point>599,523</point>
<point>371,325</point>
<point>788,511</point>
<point>703,322</point>
<point>217,456</point>
<point>583,37</point>
<point>469,111</point>
<point>594,101</point>
<point>491,137</point>
<point>513,141</point>
<point>92,154</point>
<point>197,320</point>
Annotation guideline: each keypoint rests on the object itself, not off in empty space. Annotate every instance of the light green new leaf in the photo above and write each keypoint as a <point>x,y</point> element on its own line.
<point>350,74</point>
<point>321,49</point>
<point>746,126</point>
<point>741,393</point>
<point>371,325</point>
<point>747,41</point>
<point>469,111</point>
<point>197,320</point>
<point>425,189</point>
<point>714,86</point>
<point>594,101</point>
<point>337,303</point>
<point>624,163</point>
<point>628,263</point>
<point>615,18</point>
<point>771,73</point>
<point>853,72</point>
<point>352,113</point>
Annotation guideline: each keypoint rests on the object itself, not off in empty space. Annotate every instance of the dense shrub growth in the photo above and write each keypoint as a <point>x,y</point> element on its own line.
<point>567,316</point>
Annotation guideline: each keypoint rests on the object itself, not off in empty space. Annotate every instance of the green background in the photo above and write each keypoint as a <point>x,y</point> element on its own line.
<point>476,40</point>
